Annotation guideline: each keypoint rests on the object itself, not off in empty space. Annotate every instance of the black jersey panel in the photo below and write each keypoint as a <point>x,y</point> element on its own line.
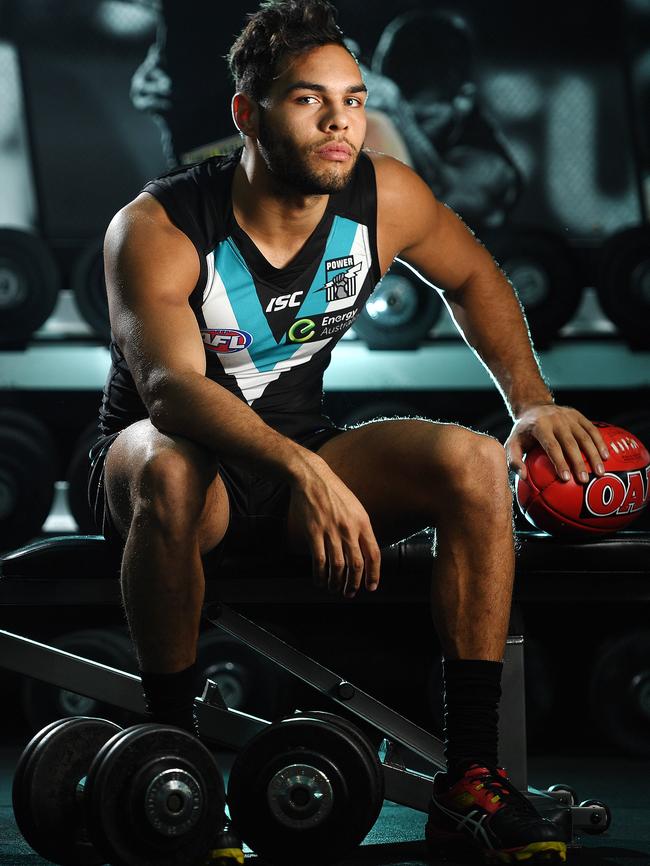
<point>197,199</point>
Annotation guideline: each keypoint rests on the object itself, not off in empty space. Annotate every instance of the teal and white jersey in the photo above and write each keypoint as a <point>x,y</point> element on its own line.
<point>268,332</point>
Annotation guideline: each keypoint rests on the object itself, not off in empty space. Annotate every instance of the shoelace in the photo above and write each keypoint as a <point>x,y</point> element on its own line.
<point>504,788</point>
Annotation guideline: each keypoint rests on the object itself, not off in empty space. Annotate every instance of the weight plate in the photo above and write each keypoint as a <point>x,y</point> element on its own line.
<point>400,312</point>
<point>624,284</point>
<point>23,760</point>
<point>77,478</point>
<point>27,477</point>
<point>248,682</point>
<point>154,797</point>
<point>619,692</point>
<point>374,764</point>
<point>89,289</point>
<point>45,796</point>
<point>545,276</point>
<point>43,702</point>
<point>29,285</point>
<point>36,429</point>
<point>301,791</point>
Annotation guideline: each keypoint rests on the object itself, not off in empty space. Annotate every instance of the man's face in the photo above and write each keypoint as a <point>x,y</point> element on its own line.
<point>312,123</point>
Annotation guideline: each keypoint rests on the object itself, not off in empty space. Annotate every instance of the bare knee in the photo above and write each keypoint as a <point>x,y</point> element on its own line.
<point>170,493</point>
<point>474,473</point>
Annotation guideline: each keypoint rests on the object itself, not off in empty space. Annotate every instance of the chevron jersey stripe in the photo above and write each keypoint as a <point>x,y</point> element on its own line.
<point>231,303</point>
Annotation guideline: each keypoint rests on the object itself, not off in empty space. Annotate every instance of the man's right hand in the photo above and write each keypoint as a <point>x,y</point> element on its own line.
<point>337,530</point>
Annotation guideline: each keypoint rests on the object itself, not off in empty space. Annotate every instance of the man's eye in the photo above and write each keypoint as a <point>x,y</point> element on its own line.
<point>305,98</point>
<point>351,100</point>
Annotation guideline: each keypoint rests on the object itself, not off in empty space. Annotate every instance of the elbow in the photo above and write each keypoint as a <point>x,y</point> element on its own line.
<point>157,414</point>
<point>166,395</point>
<point>156,396</point>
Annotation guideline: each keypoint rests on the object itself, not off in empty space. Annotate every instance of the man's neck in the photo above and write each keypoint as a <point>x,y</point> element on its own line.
<point>268,212</point>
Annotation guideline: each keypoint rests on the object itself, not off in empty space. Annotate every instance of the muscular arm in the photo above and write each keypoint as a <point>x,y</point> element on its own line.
<point>413,225</point>
<point>431,238</point>
<point>151,269</point>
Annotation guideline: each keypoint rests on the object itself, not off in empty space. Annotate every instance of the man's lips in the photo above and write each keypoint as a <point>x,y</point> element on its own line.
<point>336,152</point>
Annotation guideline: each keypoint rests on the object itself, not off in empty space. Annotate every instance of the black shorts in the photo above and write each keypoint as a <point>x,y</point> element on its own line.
<point>258,504</point>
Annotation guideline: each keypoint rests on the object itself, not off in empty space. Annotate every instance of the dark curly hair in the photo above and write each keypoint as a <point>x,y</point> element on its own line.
<point>279,28</point>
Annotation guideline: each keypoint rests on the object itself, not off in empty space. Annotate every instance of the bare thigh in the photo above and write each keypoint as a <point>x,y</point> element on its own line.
<point>181,470</point>
<point>401,471</point>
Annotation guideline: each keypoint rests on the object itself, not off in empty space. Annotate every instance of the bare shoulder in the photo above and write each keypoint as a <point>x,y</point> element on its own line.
<point>140,237</point>
<point>406,207</point>
<point>395,179</point>
<point>141,232</point>
<point>144,217</point>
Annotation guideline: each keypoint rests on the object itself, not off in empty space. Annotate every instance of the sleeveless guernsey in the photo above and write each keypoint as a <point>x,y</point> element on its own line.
<point>268,332</point>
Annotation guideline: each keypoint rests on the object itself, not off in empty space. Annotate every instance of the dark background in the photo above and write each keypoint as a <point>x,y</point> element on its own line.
<point>566,84</point>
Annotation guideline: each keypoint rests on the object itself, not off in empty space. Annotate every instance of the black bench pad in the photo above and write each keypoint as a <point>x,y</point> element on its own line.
<point>617,567</point>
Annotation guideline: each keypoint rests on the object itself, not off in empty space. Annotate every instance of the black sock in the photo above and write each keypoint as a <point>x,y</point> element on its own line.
<point>472,695</point>
<point>169,698</point>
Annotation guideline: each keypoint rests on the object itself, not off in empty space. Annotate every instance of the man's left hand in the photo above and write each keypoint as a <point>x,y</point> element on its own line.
<point>563,433</point>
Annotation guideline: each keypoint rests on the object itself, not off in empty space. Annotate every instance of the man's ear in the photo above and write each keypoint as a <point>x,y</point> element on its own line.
<point>245,114</point>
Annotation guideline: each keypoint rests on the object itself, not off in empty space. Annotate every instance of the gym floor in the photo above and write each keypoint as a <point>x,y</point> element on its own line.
<point>397,837</point>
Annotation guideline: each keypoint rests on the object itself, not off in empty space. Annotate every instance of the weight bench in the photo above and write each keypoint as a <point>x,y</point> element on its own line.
<point>80,570</point>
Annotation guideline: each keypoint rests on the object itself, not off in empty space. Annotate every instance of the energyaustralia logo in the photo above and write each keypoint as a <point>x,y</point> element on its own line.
<point>341,278</point>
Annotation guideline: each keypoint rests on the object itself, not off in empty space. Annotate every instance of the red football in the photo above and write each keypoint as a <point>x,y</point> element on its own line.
<point>604,504</point>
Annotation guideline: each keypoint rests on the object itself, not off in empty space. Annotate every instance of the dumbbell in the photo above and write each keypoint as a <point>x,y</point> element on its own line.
<point>307,789</point>
<point>89,289</point>
<point>400,312</point>
<point>86,792</point>
<point>543,271</point>
<point>624,284</point>
<point>29,286</point>
<point>28,471</point>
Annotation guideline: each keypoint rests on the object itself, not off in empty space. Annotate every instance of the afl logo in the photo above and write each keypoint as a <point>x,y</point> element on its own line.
<point>226,341</point>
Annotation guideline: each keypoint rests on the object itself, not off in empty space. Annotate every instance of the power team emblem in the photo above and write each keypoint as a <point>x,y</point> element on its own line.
<point>341,278</point>
<point>225,341</point>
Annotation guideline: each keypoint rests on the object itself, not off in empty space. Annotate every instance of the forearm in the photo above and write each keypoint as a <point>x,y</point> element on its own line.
<point>191,405</point>
<point>491,320</point>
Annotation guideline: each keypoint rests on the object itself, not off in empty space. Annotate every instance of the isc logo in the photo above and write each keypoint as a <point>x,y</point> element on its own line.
<point>617,493</point>
<point>225,340</point>
<point>283,301</point>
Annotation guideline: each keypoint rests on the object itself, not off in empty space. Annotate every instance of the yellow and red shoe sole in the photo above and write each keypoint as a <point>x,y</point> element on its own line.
<point>535,852</point>
<point>456,846</point>
<point>225,857</point>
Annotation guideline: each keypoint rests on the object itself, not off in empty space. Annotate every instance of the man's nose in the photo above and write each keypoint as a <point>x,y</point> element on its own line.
<point>336,119</point>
